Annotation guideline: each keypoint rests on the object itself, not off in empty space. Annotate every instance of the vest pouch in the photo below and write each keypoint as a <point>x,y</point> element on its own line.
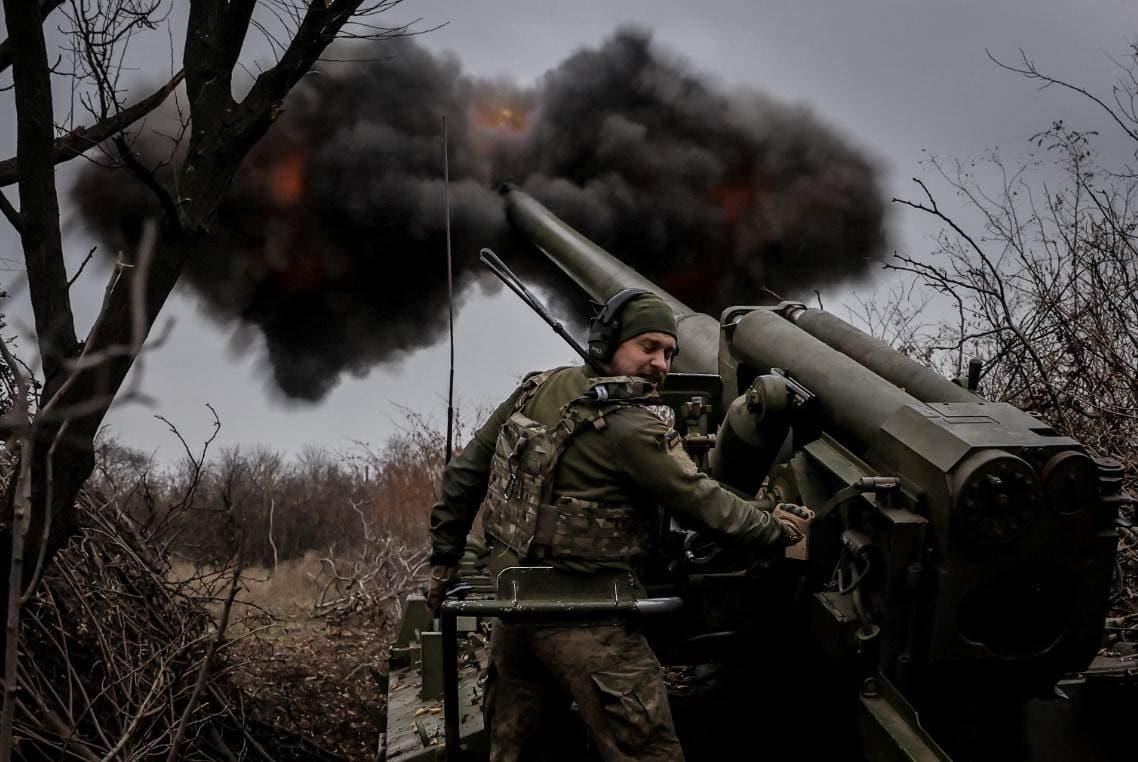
<point>520,469</point>
<point>586,529</point>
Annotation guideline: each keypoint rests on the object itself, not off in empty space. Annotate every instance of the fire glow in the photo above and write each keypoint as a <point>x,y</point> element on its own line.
<point>735,199</point>
<point>494,117</point>
<point>285,179</point>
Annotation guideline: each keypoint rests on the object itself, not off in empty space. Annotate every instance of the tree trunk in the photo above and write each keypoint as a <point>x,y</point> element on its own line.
<point>73,403</point>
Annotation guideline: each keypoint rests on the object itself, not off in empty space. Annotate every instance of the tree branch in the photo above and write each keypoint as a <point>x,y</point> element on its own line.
<point>146,176</point>
<point>1000,295</point>
<point>207,659</point>
<point>11,214</point>
<point>82,266</point>
<point>322,22</point>
<point>208,79</point>
<point>221,128</point>
<point>39,202</point>
<point>1030,71</point>
<point>46,7</point>
<point>234,27</point>
<point>223,131</point>
<point>84,138</point>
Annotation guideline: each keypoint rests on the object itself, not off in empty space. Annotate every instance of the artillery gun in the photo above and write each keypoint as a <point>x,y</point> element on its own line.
<point>956,577</point>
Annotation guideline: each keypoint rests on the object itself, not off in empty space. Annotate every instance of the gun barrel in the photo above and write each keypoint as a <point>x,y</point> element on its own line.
<point>855,398</point>
<point>601,275</point>
<point>919,381</point>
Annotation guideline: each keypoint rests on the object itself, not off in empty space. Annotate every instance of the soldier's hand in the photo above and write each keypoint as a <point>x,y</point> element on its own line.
<point>795,520</point>
<point>442,577</point>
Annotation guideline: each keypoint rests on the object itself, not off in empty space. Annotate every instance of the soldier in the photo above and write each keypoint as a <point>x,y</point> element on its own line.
<point>569,472</point>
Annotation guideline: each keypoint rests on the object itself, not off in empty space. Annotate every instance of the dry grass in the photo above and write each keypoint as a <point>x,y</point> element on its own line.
<point>289,591</point>
<point>316,588</point>
<point>286,593</point>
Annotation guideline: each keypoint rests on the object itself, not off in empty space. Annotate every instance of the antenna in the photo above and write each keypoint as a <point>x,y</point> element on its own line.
<point>506,275</point>
<point>450,298</point>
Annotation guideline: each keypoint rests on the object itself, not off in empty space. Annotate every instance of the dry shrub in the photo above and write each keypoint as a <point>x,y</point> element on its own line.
<point>406,477</point>
<point>321,501</point>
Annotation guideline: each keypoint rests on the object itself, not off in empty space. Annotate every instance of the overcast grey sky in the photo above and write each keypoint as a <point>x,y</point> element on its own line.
<point>897,77</point>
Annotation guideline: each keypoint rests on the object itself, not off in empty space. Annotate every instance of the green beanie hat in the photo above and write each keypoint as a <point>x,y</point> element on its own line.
<point>646,314</point>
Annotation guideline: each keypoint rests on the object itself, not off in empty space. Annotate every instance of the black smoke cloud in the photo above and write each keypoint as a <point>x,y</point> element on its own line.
<point>331,241</point>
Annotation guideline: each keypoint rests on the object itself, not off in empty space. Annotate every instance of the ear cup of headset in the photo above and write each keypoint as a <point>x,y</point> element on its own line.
<point>605,326</point>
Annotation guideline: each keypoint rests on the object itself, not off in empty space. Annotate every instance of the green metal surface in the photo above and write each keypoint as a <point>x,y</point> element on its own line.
<point>431,665</point>
<point>416,618</point>
<point>891,729</point>
<point>525,584</point>
<point>921,382</point>
<point>852,397</point>
<point>415,726</point>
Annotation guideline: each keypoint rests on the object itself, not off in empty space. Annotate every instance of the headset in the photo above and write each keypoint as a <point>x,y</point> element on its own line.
<point>605,326</point>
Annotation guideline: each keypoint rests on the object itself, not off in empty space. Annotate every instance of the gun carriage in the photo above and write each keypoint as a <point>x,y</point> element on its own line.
<point>959,566</point>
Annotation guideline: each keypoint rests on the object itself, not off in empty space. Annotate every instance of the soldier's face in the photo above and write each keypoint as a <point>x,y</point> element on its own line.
<point>648,355</point>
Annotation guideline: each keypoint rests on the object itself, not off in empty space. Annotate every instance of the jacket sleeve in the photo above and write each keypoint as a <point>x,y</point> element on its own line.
<point>651,456</point>
<point>463,488</point>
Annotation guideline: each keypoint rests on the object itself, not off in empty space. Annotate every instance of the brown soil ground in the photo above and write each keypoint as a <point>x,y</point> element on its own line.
<point>323,682</point>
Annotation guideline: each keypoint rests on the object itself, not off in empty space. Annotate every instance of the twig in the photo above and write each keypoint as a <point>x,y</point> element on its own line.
<point>82,266</point>
<point>21,516</point>
<point>203,673</point>
<point>1030,71</point>
<point>272,543</point>
<point>257,747</point>
<point>45,533</point>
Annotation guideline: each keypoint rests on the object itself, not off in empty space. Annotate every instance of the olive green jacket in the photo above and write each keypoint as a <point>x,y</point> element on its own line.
<point>635,459</point>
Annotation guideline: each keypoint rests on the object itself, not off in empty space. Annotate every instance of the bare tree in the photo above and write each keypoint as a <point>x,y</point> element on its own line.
<point>82,377</point>
<point>1044,285</point>
<point>1045,293</point>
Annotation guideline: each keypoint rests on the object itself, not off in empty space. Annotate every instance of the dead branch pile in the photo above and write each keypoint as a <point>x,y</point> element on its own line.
<point>111,650</point>
<point>369,581</point>
<point>120,660</point>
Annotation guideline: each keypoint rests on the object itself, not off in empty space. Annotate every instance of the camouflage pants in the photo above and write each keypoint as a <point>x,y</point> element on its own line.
<point>609,672</point>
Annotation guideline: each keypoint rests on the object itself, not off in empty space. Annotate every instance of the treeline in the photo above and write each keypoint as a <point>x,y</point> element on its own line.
<point>274,507</point>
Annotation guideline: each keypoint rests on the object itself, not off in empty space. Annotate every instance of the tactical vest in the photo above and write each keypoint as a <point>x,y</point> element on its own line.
<point>520,509</point>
